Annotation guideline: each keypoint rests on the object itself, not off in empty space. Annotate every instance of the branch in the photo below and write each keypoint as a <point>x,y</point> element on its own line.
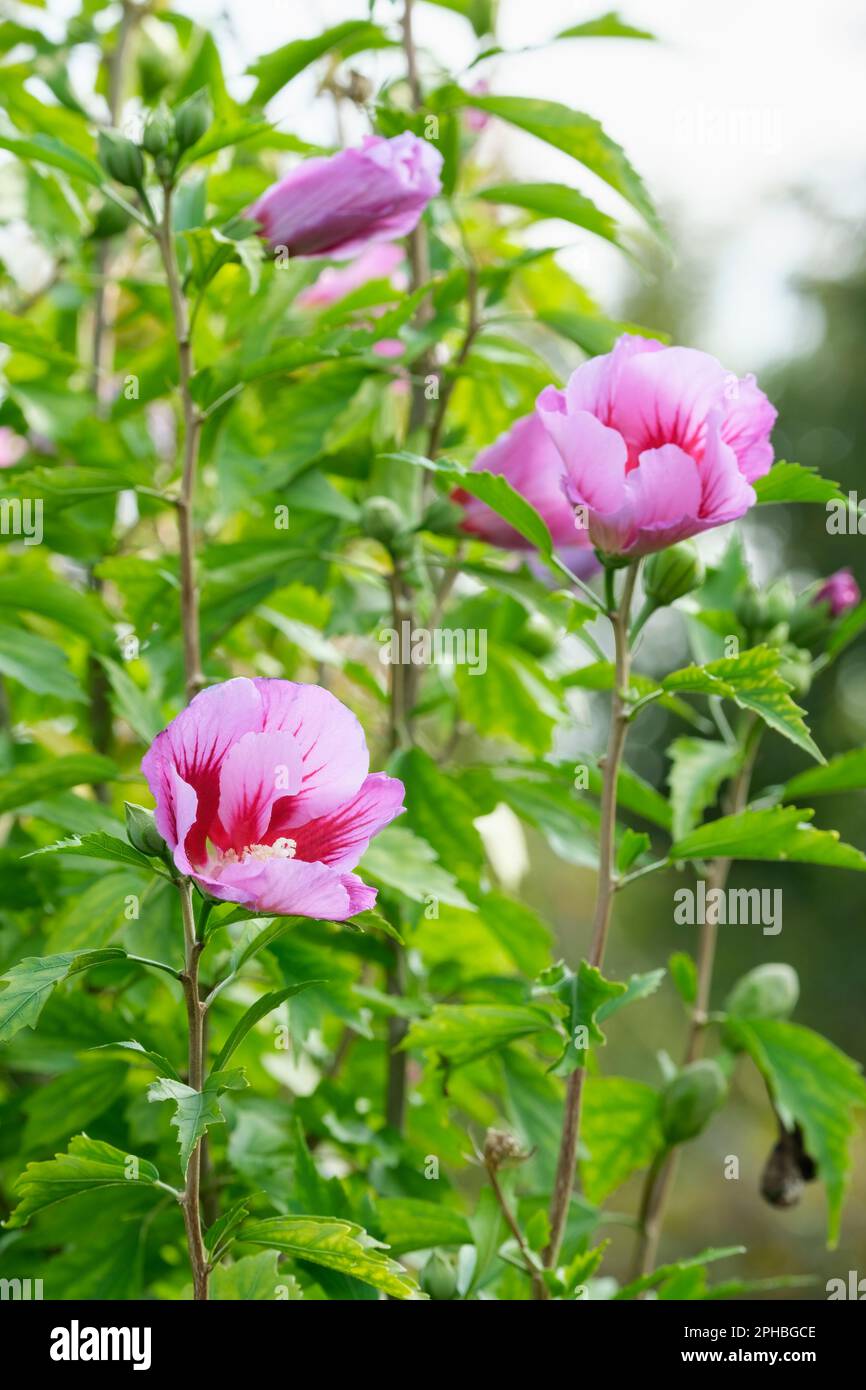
<point>195,1022</point>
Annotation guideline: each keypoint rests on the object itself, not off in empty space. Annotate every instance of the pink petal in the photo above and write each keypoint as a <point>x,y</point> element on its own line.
<point>195,744</point>
<point>378,262</point>
<point>289,888</point>
<point>665,397</point>
<point>258,771</point>
<point>341,838</point>
<point>665,491</point>
<point>725,494</point>
<point>594,456</point>
<point>595,384</point>
<point>334,757</point>
<point>748,421</point>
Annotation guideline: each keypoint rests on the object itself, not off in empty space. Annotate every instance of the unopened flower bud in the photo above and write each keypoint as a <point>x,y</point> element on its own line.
<point>796,668</point>
<point>383,521</point>
<point>840,592</point>
<point>690,1099</point>
<point>141,831</point>
<point>439,1278</point>
<point>159,131</point>
<point>768,991</point>
<point>442,517</point>
<point>672,573</point>
<point>110,220</point>
<point>120,158</point>
<point>192,120</point>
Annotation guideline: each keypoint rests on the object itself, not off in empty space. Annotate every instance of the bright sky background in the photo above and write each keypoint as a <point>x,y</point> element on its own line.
<point>740,103</point>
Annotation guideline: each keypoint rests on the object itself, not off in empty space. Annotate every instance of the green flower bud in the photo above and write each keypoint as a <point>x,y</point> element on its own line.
<point>690,1099</point>
<point>120,158</point>
<point>539,635</point>
<point>192,120</point>
<point>779,604</point>
<point>383,521</point>
<point>442,517</point>
<point>159,131</point>
<point>768,991</point>
<point>141,831</point>
<point>110,220</point>
<point>672,573</point>
<point>439,1278</point>
<point>751,608</point>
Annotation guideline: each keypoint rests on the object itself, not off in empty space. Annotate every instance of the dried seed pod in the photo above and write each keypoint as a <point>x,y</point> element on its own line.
<point>788,1167</point>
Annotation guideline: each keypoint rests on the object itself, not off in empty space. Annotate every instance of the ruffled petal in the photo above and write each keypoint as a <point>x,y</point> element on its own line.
<point>665,398</point>
<point>747,423</point>
<point>594,456</point>
<point>194,745</point>
<point>286,888</point>
<point>333,750</point>
<point>341,838</point>
<point>725,494</point>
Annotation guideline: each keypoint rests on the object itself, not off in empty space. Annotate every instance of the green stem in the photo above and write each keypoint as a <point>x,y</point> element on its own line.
<point>569,1140</point>
<point>190,1201</point>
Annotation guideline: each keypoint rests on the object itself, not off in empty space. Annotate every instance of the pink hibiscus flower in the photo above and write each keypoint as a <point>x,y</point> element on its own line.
<point>263,796</point>
<point>340,205</point>
<point>658,443</point>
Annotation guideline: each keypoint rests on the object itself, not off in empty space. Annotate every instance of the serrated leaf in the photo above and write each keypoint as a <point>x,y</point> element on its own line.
<point>195,1111</point>
<point>776,833</point>
<point>698,768</point>
<point>97,845</point>
<point>633,844</point>
<point>156,1059</point>
<point>620,1132</point>
<point>816,1086</point>
<point>254,1278</point>
<point>792,482</point>
<point>337,1245</point>
<point>86,1166</point>
<point>31,981</point>
<point>753,682</point>
<point>583,995</point>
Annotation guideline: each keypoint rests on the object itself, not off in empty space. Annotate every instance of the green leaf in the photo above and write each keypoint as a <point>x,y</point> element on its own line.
<point>443,815</point>
<point>222,135</point>
<point>156,1059</point>
<point>411,1224</point>
<point>336,1245</point>
<point>621,1132</point>
<point>607,26</point>
<point>275,69</point>
<point>39,665</point>
<point>792,482</point>
<point>259,1010</point>
<point>555,200</point>
<point>74,611</point>
<point>664,1272</point>
<point>461,1033</point>
<point>97,845</point>
<point>491,488</point>
<point>684,974</point>
<point>777,833</point>
<point>398,859</point>
<point>816,1086</point>
<point>513,699</point>
<point>219,1236</point>
<point>195,1111</point>
<point>31,981</point>
<point>254,1278</point>
<point>698,768</point>
<point>637,987</point>
<point>847,773</point>
<point>633,844</point>
<point>139,710</point>
<point>87,1166</point>
<point>583,994</point>
<point>573,132</point>
<point>46,149</point>
<point>594,333</point>
<point>23,336</point>
<point>30,781</point>
<point>753,682</point>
